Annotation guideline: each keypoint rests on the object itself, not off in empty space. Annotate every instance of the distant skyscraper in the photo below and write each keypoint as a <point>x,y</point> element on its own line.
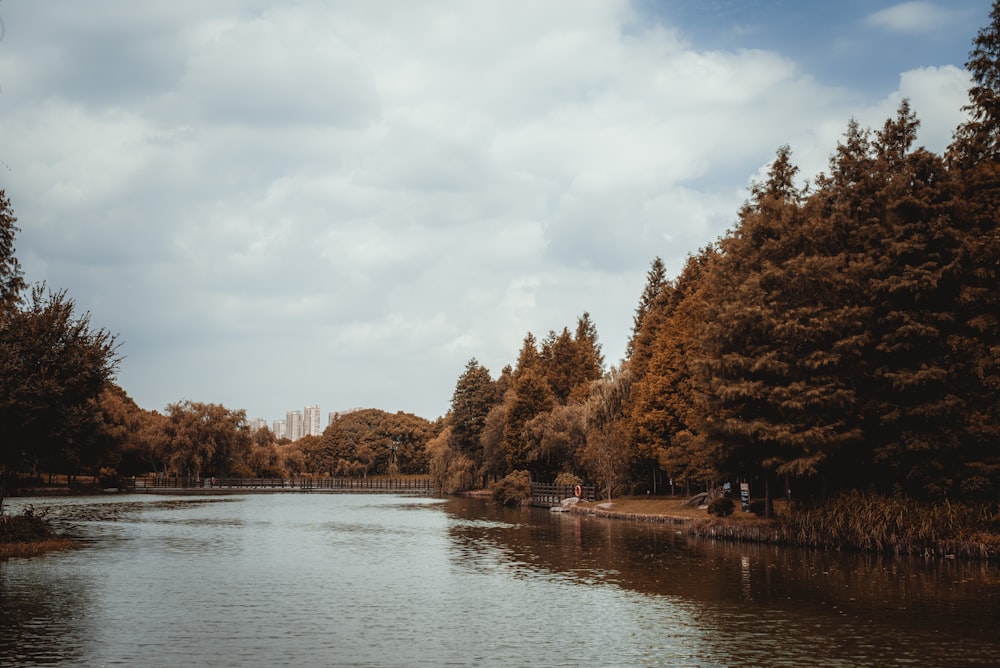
<point>332,416</point>
<point>256,424</point>
<point>280,429</point>
<point>293,422</point>
<point>312,426</point>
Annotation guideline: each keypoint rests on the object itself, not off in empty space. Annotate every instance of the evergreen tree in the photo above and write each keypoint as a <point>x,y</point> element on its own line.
<point>472,400</point>
<point>528,357</point>
<point>978,139</point>
<point>747,366</point>
<point>11,279</point>
<point>663,406</point>
<point>975,157</point>
<point>656,283</point>
<point>654,302</point>
<point>916,414</point>
<point>559,364</point>
<point>589,358</point>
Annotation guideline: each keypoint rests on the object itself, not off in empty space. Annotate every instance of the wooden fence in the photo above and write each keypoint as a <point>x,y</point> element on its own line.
<point>304,484</point>
<point>546,496</point>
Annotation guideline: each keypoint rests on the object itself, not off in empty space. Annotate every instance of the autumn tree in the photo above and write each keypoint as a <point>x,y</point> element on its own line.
<point>647,319</point>
<point>608,453</point>
<point>206,439</point>
<point>556,436</point>
<point>917,408</point>
<point>372,441</point>
<point>53,368</point>
<point>589,358</point>
<point>451,470</point>
<point>663,409</point>
<point>12,283</point>
<point>494,462</point>
<point>529,396</point>
<point>559,364</point>
<point>474,396</point>
<point>975,157</point>
<point>747,365</point>
<point>119,421</point>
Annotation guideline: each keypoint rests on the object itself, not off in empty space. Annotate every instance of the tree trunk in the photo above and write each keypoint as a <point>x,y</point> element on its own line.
<point>768,500</point>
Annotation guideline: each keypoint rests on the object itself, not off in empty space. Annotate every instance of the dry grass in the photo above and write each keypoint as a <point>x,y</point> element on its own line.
<point>854,521</point>
<point>672,507</point>
<point>34,548</point>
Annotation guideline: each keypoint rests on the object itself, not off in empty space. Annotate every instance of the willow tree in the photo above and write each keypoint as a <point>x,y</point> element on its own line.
<point>608,452</point>
<point>206,439</point>
<point>528,397</point>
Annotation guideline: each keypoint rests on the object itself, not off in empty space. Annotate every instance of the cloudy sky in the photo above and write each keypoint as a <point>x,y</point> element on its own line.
<point>280,204</point>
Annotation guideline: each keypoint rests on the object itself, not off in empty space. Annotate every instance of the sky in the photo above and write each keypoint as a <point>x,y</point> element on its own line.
<point>280,204</point>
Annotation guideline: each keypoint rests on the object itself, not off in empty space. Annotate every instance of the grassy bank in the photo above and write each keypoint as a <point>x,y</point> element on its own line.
<point>29,534</point>
<point>860,522</point>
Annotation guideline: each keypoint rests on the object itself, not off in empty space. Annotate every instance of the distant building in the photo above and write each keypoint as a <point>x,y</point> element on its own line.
<point>333,416</point>
<point>256,424</point>
<point>312,426</point>
<point>280,429</point>
<point>294,425</point>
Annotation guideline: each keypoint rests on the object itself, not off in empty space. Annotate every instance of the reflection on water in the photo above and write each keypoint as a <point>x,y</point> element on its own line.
<point>368,580</point>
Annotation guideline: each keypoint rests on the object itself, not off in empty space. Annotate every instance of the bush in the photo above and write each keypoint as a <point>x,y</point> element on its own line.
<point>758,507</point>
<point>721,507</point>
<point>24,528</point>
<point>513,490</point>
<point>568,479</point>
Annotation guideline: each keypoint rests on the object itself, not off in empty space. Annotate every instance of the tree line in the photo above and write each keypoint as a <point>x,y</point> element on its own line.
<point>843,334</point>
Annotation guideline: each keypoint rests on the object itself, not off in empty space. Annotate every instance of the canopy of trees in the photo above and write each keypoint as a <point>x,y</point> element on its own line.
<point>371,442</point>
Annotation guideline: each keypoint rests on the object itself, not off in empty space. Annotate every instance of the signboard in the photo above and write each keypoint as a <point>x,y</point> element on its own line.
<point>745,495</point>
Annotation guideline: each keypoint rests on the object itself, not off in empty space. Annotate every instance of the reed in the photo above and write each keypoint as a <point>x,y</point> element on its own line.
<point>896,525</point>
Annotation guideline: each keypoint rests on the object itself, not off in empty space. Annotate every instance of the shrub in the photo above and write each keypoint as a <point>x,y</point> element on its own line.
<point>26,527</point>
<point>513,489</point>
<point>758,507</point>
<point>568,479</point>
<point>721,507</point>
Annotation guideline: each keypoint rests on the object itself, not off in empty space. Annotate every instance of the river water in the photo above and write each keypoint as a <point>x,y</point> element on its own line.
<point>380,580</point>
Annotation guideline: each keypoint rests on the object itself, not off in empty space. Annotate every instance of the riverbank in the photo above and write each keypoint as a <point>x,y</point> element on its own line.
<point>855,523</point>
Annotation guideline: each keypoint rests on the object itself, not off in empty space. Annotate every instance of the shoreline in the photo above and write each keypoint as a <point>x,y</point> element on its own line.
<point>771,532</point>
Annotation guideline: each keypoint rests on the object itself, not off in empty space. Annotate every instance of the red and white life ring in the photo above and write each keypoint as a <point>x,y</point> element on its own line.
<point>578,491</point>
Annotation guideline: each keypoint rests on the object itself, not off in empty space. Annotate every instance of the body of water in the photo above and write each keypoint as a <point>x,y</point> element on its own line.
<point>380,580</point>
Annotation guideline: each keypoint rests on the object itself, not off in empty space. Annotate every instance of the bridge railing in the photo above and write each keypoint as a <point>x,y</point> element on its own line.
<point>164,482</point>
<point>548,495</point>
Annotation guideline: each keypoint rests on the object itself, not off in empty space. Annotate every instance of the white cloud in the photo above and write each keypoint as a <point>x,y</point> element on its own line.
<point>912,17</point>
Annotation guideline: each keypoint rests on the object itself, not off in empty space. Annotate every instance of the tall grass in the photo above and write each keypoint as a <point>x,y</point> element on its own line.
<point>28,534</point>
<point>897,525</point>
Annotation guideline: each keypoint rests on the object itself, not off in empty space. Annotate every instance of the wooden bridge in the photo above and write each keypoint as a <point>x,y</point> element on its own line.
<point>189,485</point>
<point>547,496</point>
